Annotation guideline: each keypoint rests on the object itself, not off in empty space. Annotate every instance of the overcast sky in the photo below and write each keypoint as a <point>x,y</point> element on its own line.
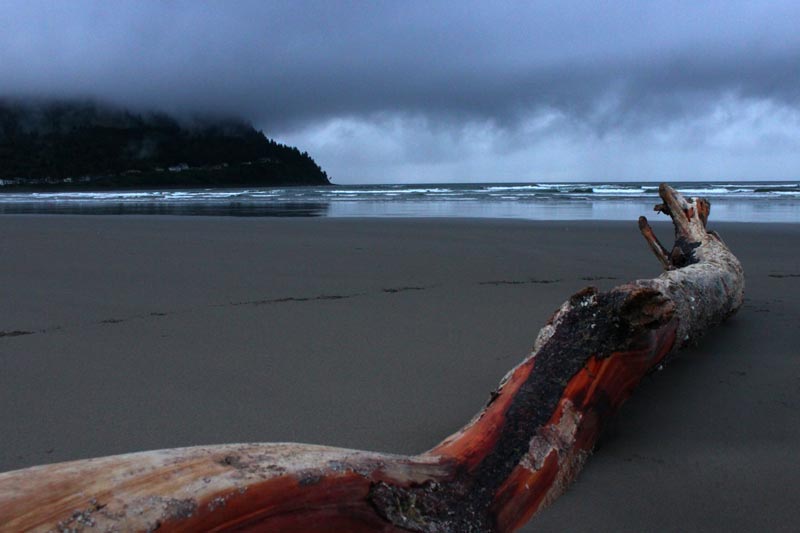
<point>458,91</point>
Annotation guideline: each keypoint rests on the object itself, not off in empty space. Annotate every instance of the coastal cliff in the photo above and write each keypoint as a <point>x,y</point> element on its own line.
<point>87,145</point>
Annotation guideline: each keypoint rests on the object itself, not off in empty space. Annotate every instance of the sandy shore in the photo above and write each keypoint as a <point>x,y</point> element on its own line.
<point>129,333</point>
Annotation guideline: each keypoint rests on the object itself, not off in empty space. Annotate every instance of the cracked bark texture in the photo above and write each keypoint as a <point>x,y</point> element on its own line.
<point>517,455</point>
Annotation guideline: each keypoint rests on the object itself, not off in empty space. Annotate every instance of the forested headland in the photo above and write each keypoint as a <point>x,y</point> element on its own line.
<point>89,145</point>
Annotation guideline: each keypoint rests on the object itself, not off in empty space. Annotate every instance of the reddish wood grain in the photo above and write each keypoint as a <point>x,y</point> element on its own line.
<point>517,455</point>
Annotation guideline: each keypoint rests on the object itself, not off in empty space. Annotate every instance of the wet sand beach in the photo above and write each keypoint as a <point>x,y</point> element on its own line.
<point>128,333</point>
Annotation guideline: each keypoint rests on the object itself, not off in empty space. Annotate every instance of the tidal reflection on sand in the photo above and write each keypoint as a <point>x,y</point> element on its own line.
<point>236,209</point>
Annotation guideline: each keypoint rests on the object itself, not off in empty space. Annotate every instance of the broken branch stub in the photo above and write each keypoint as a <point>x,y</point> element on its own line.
<point>516,456</point>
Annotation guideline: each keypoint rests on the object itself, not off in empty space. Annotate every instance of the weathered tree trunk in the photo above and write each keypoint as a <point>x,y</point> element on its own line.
<point>512,459</point>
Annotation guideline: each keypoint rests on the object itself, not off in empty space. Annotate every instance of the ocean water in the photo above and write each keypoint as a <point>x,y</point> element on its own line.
<point>731,201</point>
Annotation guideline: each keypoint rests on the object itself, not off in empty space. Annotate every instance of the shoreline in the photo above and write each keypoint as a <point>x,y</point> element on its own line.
<point>386,334</point>
<point>736,202</point>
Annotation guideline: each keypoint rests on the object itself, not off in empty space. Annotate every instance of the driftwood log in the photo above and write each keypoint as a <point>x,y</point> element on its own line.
<point>517,455</point>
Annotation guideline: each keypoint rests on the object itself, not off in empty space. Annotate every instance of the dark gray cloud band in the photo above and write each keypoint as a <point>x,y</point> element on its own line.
<point>294,62</point>
<point>622,66</point>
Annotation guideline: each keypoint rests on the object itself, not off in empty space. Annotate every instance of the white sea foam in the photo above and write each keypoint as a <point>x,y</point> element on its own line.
<point>522,188</point>
<point>617,190</point>
<point>709,190</point>
<point>521,200</point>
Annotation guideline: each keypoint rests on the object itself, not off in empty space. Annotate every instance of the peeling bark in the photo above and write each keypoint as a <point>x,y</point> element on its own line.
<point>516,456</point>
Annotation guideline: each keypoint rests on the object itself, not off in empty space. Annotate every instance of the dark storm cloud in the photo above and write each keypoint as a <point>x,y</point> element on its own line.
<point>289,64</point>
<point>423,91</point>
